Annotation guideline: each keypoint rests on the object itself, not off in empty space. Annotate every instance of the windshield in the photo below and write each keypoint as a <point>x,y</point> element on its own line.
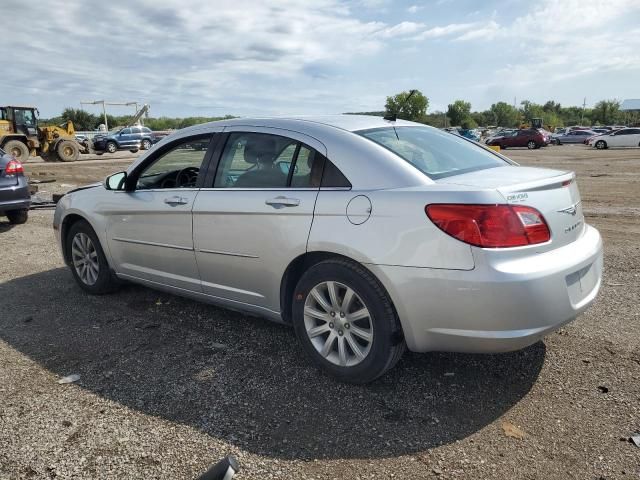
<point>436,154</point>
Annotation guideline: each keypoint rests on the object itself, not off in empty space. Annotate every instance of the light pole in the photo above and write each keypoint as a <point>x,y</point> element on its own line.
<point>104,110</point>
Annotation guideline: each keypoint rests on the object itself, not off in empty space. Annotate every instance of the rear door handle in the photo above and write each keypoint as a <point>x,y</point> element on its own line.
<point>279,202</point>
<point>176,200</point>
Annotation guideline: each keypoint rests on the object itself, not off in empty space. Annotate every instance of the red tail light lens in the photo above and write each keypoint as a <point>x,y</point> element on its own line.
<point>13,167</point>
<point>490,226</point>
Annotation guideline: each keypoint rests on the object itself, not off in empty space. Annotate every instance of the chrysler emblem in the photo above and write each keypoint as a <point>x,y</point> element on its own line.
<point>572,210</point>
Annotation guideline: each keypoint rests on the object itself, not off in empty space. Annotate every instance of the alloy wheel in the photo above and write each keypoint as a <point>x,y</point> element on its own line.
<point>85,258</point>
<point>338,323</point>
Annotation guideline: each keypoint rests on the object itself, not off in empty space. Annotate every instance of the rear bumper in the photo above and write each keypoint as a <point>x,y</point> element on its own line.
<point>15,197</point>
<point>498,306</point>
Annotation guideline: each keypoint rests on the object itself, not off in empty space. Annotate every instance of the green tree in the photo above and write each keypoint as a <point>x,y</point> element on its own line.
<point>415,109</point>
<point>459,112</point>
<point>82,120</point>
<point>504,115</point>
<point>606,112</point>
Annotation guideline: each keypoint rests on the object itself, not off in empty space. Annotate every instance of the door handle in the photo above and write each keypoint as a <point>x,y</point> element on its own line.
<point>279,202</point>
<point>176,200</point>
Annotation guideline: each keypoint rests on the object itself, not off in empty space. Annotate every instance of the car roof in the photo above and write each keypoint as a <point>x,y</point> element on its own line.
<point>346,122</point>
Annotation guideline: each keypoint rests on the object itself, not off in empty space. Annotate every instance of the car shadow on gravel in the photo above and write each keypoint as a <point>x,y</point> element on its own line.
<point>244,380</point>
<point>5,226</point>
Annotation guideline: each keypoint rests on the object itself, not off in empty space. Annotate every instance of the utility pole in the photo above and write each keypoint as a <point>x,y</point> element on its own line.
<point>584,105</point>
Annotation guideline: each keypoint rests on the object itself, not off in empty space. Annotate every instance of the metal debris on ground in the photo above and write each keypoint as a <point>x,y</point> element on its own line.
<point>635,439</point>
<point>69,379</point>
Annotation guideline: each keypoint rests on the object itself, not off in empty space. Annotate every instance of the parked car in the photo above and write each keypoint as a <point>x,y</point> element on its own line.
<point>469,133</point>
<point>530,138</point>
<point>14,190</point>
<point>500,133</point>
<point>573,136</point>
<point>365,235</point>
<point>625,137</point>
<point>129,138</point>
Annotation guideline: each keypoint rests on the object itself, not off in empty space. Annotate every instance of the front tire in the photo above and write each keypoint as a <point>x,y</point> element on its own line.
<point>68,151</point>
<point>345,321</point>
<point>17,149</point>
<point>532,145</point>
<point>111,147</point>
<point>87,261</point>
<point>601,145</point>
<point>18,217</point>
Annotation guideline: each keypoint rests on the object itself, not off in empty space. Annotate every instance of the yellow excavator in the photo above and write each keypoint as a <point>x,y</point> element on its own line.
<point>21,136</point>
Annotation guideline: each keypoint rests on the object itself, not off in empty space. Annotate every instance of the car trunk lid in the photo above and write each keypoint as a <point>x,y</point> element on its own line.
<point>554,193</point>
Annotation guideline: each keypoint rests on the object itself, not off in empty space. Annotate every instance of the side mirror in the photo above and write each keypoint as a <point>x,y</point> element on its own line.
<point>115,181</point>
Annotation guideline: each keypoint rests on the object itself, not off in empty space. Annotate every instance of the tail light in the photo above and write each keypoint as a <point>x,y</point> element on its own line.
<point>13,167</point>
<point>490,226</point>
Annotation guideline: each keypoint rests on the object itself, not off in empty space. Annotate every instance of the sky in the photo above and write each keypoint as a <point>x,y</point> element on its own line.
<point>296,57</point>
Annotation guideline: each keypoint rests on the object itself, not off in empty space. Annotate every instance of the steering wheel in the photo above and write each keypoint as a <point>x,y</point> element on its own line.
<point>187,177</point>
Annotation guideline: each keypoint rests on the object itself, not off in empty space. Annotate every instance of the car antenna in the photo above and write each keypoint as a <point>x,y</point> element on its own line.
<point>392,117</point>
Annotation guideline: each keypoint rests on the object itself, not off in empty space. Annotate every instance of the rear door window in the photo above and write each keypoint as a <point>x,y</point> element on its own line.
<point>435,153</point>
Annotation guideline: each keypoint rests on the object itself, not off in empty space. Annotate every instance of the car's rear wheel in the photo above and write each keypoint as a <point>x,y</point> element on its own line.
<point>87,260</point>
<point>17,149</point>
<point>146,144</point>
<point>18,217</point>
<point>531,145</point>
<point>111,147</point>
<point>601,144</point>
<point>345,321</point>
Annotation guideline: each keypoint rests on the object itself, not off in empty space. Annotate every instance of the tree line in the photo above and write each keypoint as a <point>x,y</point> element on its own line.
<point>459,114</point>
<point>502,114</point>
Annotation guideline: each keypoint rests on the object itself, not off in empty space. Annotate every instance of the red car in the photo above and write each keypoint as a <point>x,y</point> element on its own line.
<point>530,138</point>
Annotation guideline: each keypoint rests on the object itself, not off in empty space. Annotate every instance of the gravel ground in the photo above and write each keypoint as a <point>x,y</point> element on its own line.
<point>168,386</point>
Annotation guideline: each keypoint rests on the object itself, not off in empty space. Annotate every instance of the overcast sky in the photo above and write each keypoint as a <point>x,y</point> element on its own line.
<point>244,57</point>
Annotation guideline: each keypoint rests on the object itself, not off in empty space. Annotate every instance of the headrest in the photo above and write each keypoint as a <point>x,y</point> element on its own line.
<point>260,148</point>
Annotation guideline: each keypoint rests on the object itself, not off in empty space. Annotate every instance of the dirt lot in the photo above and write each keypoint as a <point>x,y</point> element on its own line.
<point>168,386</point>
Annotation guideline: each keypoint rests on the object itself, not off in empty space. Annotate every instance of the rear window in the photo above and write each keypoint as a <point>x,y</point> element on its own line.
<point>435,153</point>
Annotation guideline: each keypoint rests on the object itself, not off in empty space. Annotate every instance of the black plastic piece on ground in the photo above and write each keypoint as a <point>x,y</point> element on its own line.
<point>220,469</point>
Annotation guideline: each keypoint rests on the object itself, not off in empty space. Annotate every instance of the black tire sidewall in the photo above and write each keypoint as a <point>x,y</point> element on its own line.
<point>18,217</point>
<point>529,145</point>
<point>384,321</point>
<point>24,150</point>
<point>146,144</point>
<point>602,143</point>
<point>115,149</point>
<point>105,282</point>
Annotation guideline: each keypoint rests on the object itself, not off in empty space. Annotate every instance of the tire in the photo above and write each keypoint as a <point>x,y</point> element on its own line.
<point>95,282</point>
<point>385,344</point>
<point>531,145</point>
<point>17,149</point>
<point>18,217</point>
<point>601,145</point>
<point>68,151</point>
<point>146,144</point>
<point>111,147</point>
<point>557,141</point>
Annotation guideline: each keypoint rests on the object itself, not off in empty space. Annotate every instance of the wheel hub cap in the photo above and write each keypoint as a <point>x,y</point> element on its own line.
<point>85,258</point>
<point>338,323</point>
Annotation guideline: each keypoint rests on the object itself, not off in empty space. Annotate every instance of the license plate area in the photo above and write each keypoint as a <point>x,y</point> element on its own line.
<point>581,283</point>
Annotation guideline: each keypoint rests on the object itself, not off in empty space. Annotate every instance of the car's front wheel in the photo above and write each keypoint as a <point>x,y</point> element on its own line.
<point>531,145</point>
<point>601,144</point>
<point>111,147</point>
<point>345,321</point>
<point>18,217</point>
<point>87,260</point>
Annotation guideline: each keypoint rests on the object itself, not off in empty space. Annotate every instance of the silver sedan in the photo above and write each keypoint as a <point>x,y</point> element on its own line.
<point>368,236</point>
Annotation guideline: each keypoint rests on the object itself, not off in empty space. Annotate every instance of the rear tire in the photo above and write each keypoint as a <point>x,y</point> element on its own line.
<point>531,145</point>
<point>146,144</point>
<point>68,151</point>
<point>362,338</point>
<point>17,149</point>
<point>87,260</point>
<point>601,145</point>
<point>18,217</point>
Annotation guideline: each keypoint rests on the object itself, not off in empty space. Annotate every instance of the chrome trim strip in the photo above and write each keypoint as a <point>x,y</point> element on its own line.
<point>231,254</point>
<point>154,244</point>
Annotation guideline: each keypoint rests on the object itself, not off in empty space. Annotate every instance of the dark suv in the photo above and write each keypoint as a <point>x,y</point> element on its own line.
<point>14,189</point>
<point>530,138</point>
<point>128,138</point>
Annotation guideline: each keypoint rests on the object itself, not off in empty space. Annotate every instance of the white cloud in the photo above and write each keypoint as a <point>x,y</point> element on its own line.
<point>415,8</point>
<point>484,32</point>
<point>401,29</point>
<point>445,30</point>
